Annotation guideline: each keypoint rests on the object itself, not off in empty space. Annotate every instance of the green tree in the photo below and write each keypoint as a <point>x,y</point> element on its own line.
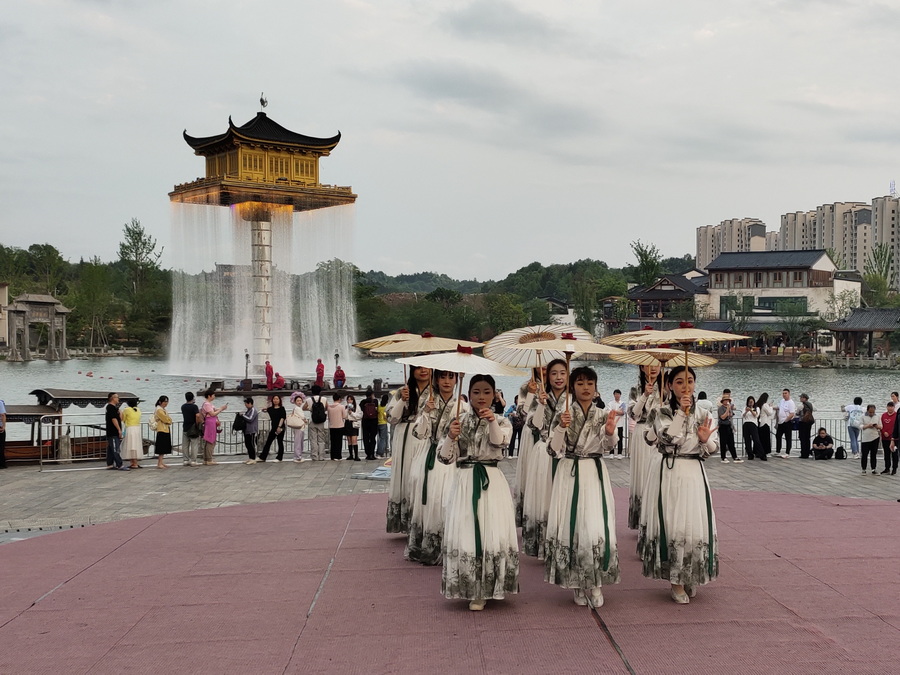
<point>503,312</point>
<point>792,320</point>
<point>137,251</point>
<point>444,296</point>
<point>48,268</point>
<point>649,263</point>
<point>838,259</point>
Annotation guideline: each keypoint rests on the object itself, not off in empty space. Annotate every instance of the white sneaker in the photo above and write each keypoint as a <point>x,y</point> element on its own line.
<point>724,461</point>
<point>250,461</point>
<point>580,598</point>
<point>786,456</point>
<point>738,461</point>
<point>597,597</point>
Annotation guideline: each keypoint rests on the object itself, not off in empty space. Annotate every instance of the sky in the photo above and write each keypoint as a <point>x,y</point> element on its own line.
<point>480,136</point>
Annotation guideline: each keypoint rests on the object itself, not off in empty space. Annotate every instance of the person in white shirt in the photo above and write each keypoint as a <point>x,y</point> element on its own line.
<point>620,408</point>
<point>785,420</point>
<point>870,433</point>
<point>766,417</point>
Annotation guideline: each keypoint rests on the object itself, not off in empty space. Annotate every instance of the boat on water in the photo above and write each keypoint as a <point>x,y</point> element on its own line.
<point>51,437</point>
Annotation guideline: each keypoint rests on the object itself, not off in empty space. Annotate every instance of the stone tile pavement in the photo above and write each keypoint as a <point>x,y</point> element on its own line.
<point>66,496</point>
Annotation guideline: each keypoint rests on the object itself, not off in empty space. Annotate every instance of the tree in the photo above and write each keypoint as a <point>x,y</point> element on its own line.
<point>503,312</point>
<point>138,252</point>
<point>48,268</point>
<point>838,259</point>
<point>792,320</point>
<point>877,275</point>
<point>585,301</point>
<point>840,306</point>
<point>444,296</point>
<point>678,265</point>
<point>649,262</point>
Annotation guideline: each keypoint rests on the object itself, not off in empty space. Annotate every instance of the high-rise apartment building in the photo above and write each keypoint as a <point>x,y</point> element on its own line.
<point>842,227</point>
<point>736,235</point>
<point>885,212</point>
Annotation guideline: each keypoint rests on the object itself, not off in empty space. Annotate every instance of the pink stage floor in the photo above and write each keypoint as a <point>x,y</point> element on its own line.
<point>808,584</point>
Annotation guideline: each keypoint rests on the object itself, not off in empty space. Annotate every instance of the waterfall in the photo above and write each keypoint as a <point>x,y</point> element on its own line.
<point>312,309</point>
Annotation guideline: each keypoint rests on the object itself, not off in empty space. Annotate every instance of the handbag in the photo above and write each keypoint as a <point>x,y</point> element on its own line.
<point>295,421</point>
<point>807,417</point>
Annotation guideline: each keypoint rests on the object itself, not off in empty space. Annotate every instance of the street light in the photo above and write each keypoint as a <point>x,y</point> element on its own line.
<point>246,364</point>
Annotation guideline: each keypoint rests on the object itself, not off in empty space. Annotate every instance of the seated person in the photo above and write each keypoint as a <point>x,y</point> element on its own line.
<point>279,381</point>
<point>822,441</point>
<point>340,378</point>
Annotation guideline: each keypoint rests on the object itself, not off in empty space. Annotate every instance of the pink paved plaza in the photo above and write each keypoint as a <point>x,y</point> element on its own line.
<point>807,584</point>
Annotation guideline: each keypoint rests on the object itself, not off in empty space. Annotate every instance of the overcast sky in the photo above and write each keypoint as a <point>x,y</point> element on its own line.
<point>480,136</point>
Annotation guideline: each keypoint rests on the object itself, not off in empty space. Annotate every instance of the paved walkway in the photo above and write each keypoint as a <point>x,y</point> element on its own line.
<point>30,499</point>
<point>296,575</point>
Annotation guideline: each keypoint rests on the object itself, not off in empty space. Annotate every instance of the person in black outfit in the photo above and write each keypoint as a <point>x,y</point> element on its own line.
<point>804,427</point>
<point>2,435</point>
<point>114,433</point>
<point>277,416</point>
<point>499,404</point>
<point>726,430</point>
<point>823,444</point>
<point>369,423</point>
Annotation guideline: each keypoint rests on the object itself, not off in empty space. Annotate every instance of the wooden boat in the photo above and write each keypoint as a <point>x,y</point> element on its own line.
<point>48,439</point>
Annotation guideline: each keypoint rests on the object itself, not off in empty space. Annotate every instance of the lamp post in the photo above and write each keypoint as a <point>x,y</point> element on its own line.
<point>246,364</point>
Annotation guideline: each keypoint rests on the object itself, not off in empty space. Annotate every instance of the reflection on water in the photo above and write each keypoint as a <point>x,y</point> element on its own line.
<point>149,377</point>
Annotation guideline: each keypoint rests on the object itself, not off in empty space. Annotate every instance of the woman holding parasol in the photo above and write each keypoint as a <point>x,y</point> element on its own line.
<point>643,399</point>
<point>402,411</point>
<point>679,540</point>
<point>481,556</point>
<point>539,475</point>
<point>430,480</point>
<point>581,551</point>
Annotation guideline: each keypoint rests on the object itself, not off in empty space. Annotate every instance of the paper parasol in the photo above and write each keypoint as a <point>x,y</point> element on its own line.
<point>629,338</point>
<point>503,348</point>
<point>661,356</point>
<point>570,346</point>
<point>425,343</point>
<point>686,334</point>
<point>399,336</point>
<point>460,361</point>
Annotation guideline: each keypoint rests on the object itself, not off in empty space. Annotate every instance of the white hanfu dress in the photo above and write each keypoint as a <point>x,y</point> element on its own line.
<point>679,543</point>
<point>527,402</point>
<point>539,477</point>
<point>481,550</point>
<point>430,482</point>
<point>639,407</point>
<point>404,447</point>
<point>581,550</point>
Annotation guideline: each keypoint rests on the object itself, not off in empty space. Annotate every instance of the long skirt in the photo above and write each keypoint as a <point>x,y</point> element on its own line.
<point>405,447</point>
<point>163,443</point>
<point>536,502</point>
<point>681,546</point>
<point>581,549</point>
<point>484,565</point>
<point>650,498</point>
<point>431,483</point>
<point>526,448</point>
<point>133,446</point>
<point>640,456</point>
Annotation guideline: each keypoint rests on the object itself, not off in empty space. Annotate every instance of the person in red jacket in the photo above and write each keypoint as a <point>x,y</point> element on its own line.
<point>889,436</point>
<point>320,373</point>
<point>270,371</point>
<point>340,378</point>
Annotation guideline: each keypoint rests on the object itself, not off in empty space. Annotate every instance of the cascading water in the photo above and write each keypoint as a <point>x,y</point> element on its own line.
<point>312,313</point>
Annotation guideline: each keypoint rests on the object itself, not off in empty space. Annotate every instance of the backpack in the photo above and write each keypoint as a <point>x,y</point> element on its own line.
<point>240,422</point>
<point>840,453</point>
<point>854,419</point>
<point>317,410</point>
<point>370,409</point>
<point>154,423</point>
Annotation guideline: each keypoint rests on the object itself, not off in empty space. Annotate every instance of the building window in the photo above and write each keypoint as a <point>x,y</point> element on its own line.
<point>718,279</point>
<point>738,279</point>
<point>758,279</point>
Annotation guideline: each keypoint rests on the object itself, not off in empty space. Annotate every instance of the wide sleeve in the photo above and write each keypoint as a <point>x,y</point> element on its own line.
<point>395,409</point>
<point>499,433</point>
<point>448,450</point>
<point>556,446</point>
<point>607,441</point>
<point>422,427</point>
<point>537,419</point>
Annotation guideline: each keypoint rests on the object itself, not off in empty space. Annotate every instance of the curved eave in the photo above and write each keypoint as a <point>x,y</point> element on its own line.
<point>199,143</point>
<point>301,142</point>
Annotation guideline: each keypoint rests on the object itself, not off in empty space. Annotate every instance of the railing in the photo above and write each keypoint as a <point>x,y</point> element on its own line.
<point>85,439</point>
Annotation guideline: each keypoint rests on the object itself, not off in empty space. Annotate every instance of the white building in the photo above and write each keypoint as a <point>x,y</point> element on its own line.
<point>761,285</point>
<point>736,234</point>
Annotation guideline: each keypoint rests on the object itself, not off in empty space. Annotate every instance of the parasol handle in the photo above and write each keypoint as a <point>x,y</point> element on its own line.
<point>459,398</point>
<point>540,365</point>
<point>568,393</point>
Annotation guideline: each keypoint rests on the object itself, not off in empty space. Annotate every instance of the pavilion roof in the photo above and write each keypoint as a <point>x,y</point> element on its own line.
<point>261,129</point>
<point>868,319</point>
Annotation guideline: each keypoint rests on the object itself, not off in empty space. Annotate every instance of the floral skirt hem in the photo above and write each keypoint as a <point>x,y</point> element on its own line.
<point>398,517</point>
<point>534,535</point>
<point>634,512</point>
<point>691,568</point>
<point>490,577</point>
<point>423,547</point>
<point>583,570</point>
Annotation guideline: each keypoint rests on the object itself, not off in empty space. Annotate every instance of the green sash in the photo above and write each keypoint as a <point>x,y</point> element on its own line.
<point>480,481</point>
<point>573,512</point>
<point>429,465</point>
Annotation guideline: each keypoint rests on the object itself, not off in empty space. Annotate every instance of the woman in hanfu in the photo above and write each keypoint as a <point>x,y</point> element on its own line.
<point>539,475</point>
<point>403,410</point>
<point>680,540</point>
<point>527,402</point>
<point>481,550</point>
<point>642,399</point>
<point>430,480</point>
<point>581,551</point>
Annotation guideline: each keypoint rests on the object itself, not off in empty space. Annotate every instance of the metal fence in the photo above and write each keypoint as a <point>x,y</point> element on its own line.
<point>82,438</point>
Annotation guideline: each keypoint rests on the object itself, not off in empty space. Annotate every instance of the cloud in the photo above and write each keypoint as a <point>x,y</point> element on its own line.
<point>494,106</point>
<point>502,22</point>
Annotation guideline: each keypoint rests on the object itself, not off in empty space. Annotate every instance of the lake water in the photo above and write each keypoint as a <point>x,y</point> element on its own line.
<point>150,377</point>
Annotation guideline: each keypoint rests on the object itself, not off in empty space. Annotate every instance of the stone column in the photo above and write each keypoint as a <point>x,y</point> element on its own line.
<point>261,261</point>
